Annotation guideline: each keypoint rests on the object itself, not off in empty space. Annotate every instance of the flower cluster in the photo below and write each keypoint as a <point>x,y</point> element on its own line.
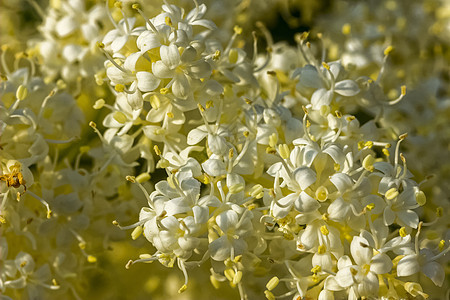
<point>281,171</point>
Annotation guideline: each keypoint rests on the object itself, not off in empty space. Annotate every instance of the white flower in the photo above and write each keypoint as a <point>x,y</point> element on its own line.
<point>231,243</point>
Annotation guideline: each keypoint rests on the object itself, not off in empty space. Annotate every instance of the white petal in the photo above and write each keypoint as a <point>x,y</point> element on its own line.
<point>361,251</point>
<point>161,70</point>
<point>227,219</point>
<point>435,272</point>
<point>196,135</point>
<point>408,265</point>
<point>346,88</point>
<point>170,55</point>
<point>181,87</point>
<point>321,97</point>
<point>345,277</point>
<point>409,218</point>
<point>381,264</point>
<point>304,177</point>
<point>220,249</point>
<point>147,82</point>
<point>388,216</point>
<point>66,26</point>
<point>214,167</point>
<point>305,203</point>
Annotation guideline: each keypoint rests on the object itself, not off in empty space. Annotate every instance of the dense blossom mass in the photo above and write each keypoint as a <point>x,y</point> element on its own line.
<point>317,169</point>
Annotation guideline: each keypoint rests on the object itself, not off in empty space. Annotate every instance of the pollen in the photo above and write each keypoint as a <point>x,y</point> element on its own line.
<point>324,230</point>
<point>391,194</point>
<point>322,249</point>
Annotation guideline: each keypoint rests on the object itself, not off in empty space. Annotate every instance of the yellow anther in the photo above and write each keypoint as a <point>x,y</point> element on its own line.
<point>338,114</point>
<point>23,264</point>
<point>163,91</point>
<point>237,277</point>
<point>115,223</point>
<point>145,256</point>
<point>308,44</point>
<point>246,133</point>
<point>305,110</point>
<point>439,212</point>
<point>118,4</point>
<point>22,92</point>
<point>206,179</point>
<point>182,289</point>
<point>273,140</point>
<point>168,21</point>
<point>233,56</point>
<point>284,151</point>
<point>141,178</point>
<point>308,124</point>
<point>100,45</point>
<point>2,220</point>
<point>368,144</point>
<point>248,101</point>
<point>215,283</point>
<point>49,213</point>
<point>415,289</point>
<point>237,29</point>
<point>402,232</point>
<point>229,274</point>
<point>346,29</point>
<point>402,157</point>
<point>170,115</point>
<point>54,282</point>
<point>304,35</point>
<point>237,188</point>
<point>336,167</point>
<point>360,145</point>
<point>272,283</point>
<point>368,163</point>
<point>421,198</point>
<point>209,104</point>
<point>91,259</point>
<point>136,232</point>
<point>385,151</point>
<point>403,136</point>
<point>200,107</point>
<point>316,269</point>
<point>136,6</point>
<point>238,258</point>
<point>119,87</point>
<point>370,206</point>
<point>256,191</point>
<point>388,50</point>
<point>403,90</point>
<point>353,271</point>
<point>270,150</point>
<point>216,55</point>
<point>350,118</point>
<point>322,249</point>
<point>230,153</point>
<point>322,193</point>
<point>391,194</point>
<point>99,104</point>
<point>156,149</point>
<point>120,117</point>
<point>324,230</point>
<point>130,178</point>
<point>82,245</point>
<point>325,65</point>
<point>441,245</point>
<point>269,295</point>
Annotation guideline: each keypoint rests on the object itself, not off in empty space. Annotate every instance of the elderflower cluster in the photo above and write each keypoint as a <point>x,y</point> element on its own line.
<point>173,134</point>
